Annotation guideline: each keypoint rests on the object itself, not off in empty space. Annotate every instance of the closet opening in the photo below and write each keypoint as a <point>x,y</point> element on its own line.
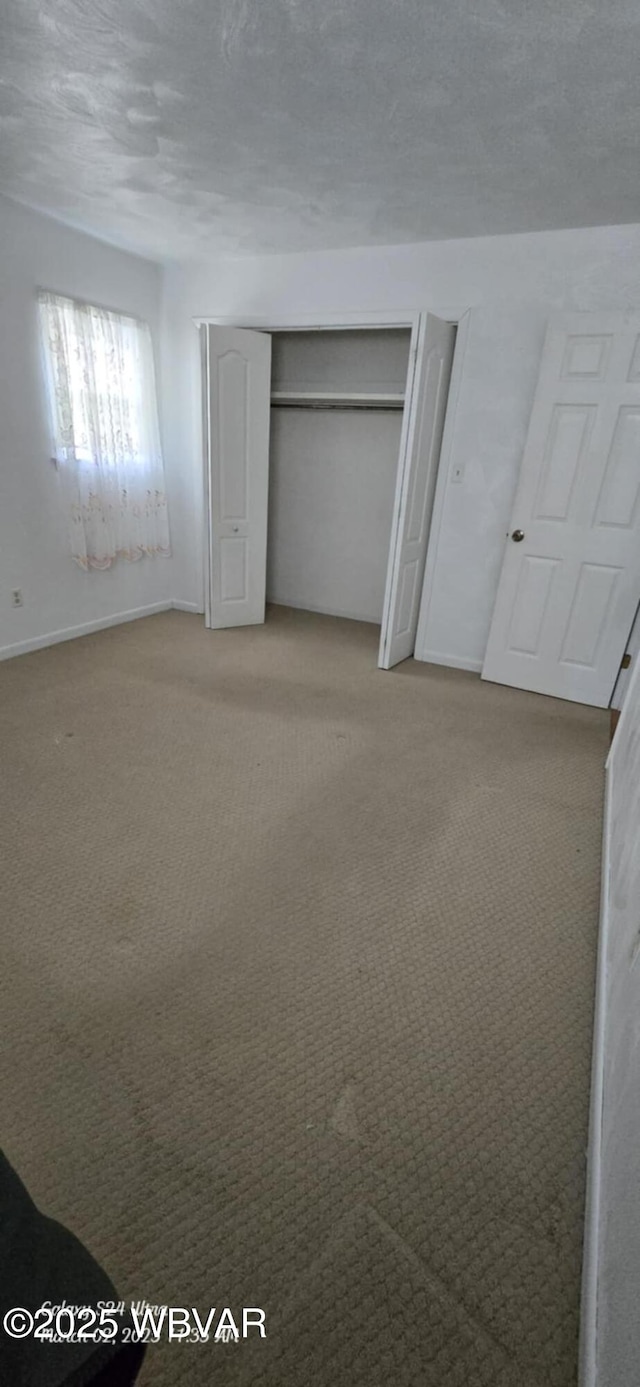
<point>337,401</point>
<point>321,455</point>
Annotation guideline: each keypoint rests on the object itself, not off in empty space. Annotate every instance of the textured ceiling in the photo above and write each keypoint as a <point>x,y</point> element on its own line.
<point>182,126</point>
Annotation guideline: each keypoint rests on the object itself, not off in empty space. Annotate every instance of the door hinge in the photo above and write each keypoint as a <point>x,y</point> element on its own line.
<point>626,661</point>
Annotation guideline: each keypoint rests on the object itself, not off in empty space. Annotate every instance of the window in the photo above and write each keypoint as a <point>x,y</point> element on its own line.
<point>104,420</point>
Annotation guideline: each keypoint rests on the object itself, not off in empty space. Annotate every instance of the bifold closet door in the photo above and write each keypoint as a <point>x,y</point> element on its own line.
<point>236,378</point>
<point>425,407</point>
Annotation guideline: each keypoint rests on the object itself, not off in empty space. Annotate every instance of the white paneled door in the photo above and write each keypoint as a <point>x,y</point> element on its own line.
<point>236,392</point>
<point>424,415</point>
<point>570,580</point>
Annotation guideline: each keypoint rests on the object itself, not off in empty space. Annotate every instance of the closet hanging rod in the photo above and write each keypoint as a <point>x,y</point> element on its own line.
<point>326,400</point>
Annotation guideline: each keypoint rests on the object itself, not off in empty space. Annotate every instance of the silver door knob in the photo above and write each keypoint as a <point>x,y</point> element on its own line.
<point>235,529</point>
<point>517,536</point>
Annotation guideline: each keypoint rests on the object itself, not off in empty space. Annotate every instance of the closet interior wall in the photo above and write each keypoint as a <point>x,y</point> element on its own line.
<point>333,468</point>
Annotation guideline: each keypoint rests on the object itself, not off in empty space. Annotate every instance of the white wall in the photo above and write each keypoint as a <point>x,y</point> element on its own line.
<point>611,1323</point>
<point>511,283</point>
<point>34,552</point>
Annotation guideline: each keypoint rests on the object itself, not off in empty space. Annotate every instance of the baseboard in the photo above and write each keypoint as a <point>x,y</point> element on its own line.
<point>70,633</point>
<point>179,606</point>
<point>320,611</point>
<point>436,657</point>
<point>588,1360</point>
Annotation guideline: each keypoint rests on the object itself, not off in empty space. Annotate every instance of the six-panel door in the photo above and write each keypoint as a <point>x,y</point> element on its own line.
<point>569,587</point>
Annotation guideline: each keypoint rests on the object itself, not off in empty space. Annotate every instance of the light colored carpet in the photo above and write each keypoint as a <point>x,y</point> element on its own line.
<point>296,994</point>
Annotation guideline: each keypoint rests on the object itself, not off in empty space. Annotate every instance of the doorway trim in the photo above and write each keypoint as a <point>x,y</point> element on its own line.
<point>326,322</point>
<point>368,321</point>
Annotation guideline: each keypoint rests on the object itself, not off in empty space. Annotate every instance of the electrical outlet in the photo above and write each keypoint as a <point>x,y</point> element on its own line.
<point>16,597</point>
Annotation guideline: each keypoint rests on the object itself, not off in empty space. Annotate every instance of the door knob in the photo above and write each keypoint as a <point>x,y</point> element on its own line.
<point>235,529</point>
<point>517,536</point>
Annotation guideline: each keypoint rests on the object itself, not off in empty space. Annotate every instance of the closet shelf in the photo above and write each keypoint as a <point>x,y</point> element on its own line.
<point>331,399</point>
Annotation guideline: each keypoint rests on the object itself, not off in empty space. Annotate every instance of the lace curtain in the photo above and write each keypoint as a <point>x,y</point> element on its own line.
<point>102,397</point>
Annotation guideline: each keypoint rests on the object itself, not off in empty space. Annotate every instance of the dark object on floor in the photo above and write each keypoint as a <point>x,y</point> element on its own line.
<point>42,1261</point>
